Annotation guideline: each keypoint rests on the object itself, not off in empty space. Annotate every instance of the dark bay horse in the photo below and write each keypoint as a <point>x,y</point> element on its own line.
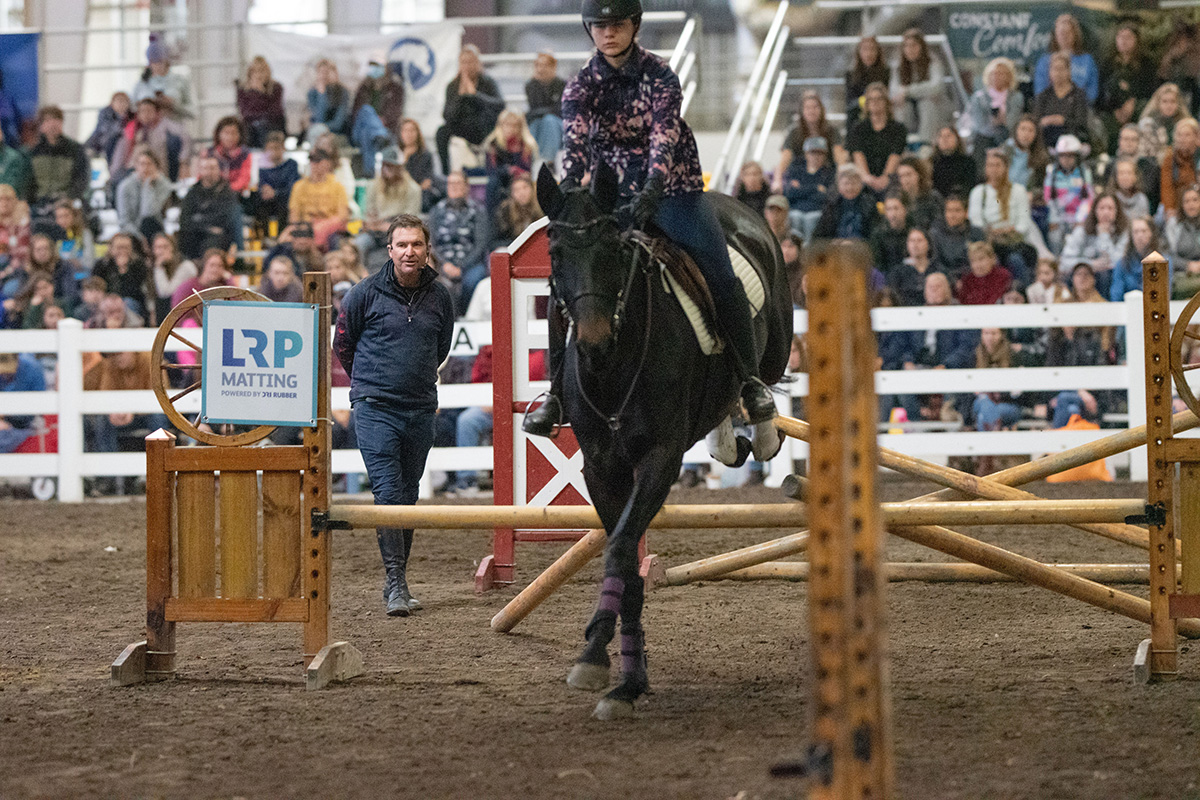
<point>638,390</point>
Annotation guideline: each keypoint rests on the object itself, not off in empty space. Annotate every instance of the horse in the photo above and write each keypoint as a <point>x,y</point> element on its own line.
<point>639,391</point>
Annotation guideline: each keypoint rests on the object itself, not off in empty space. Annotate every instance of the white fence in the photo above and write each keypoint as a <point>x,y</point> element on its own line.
<point>70,341</point>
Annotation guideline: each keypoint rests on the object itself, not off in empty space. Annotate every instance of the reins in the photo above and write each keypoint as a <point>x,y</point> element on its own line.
<point>612,420</point>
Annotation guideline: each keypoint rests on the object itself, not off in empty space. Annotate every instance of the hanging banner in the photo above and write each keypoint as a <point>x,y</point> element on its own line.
<point>260,363</point>
<point>425,56</point>
<point>1021,35</point>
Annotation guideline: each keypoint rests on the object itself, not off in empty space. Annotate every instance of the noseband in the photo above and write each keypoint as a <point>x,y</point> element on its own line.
<point>586,234</point>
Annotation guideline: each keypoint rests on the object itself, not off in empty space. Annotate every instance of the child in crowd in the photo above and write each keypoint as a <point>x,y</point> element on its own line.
<point>907,280</point>
<point>1126,187</point>
<point>889,240</point>
<point>1101,239</point>
<point>954,172</point>
<point>110,125</point>
<point>1046,287</point>
<point>752,188</point>
<point>1028,157</point>
<point>1068,190</point>
<point>91,291</point>
<point>1127,274</point>
<point>807,185</point>
<point>77,243</point>
<point>987,281</point>
<point>924,202</point>
<point>276,175</point>
<point>951,236</point>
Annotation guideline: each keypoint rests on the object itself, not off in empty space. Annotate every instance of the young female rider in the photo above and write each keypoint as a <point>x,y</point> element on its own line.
<point>623,108</point>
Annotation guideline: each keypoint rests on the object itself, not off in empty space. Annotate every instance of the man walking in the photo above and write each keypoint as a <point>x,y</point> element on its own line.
<point>393,332</point>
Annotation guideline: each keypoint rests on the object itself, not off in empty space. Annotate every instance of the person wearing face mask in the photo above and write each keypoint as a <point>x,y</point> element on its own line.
<point>473,106</point>
<point>377,109</point>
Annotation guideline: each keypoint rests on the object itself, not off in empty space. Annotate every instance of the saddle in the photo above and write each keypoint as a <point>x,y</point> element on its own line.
<point>682,278</point>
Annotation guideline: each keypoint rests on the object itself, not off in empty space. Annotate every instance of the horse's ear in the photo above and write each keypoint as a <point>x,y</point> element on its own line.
<point>604,187</point>
<point>549,196</point>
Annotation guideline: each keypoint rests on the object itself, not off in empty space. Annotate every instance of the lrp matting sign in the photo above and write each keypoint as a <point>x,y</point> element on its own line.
<point>260,363</point>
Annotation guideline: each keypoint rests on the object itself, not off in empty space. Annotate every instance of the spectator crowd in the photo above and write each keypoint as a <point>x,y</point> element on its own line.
<point>1050,186</point>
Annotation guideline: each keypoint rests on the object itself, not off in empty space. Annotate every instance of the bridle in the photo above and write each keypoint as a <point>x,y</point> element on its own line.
<point>589,230</point>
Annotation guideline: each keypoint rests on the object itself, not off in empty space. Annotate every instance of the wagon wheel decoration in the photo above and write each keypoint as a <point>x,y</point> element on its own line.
<point>1179,369</point>
<point>192,307</point>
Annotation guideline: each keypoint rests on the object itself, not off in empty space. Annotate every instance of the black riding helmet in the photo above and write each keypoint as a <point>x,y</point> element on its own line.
<point>611,11</point>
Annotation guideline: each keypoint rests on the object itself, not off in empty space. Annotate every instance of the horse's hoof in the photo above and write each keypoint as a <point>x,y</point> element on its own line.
<point>767,441</point>
<point>588,677</point>
<point>608,709</point>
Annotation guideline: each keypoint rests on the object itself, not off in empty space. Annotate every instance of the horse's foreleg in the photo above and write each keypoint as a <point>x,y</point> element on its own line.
<point>591,671</point>
<point>653,484</point>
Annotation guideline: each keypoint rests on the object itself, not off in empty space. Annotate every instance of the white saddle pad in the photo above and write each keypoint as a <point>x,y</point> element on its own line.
<point>755,293</point>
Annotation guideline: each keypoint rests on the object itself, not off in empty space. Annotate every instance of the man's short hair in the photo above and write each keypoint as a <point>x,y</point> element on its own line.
<point>408,222</point>
<point>276,137</point>
<point>150,101</point>
<point>49,112</point>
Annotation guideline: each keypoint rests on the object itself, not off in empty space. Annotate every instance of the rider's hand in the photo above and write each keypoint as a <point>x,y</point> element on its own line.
<point>645,204</point>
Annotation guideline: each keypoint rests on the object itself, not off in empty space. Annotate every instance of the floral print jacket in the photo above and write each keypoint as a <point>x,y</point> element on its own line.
<point>630,119</point>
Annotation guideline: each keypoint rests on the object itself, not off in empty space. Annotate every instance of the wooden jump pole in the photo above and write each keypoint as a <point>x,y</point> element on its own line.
<point>550,580</point>
<point>1035,573</point>
<point>958,484</point>
<point>973,485</point>
<point>937,572</point>
<point>773,515</point>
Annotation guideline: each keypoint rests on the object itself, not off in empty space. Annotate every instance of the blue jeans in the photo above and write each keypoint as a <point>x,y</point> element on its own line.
<point>367,128</point>
<point>548,133</point>
<point>1066,404</point>
<point>990,415</point>
<point>394,444</point>
<point>471,277</point>
<point>105,435</point>
<point>472,426</point>
<point>691,222</point>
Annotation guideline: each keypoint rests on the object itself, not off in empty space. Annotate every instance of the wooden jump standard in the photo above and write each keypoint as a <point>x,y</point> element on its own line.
<point>189,490</point>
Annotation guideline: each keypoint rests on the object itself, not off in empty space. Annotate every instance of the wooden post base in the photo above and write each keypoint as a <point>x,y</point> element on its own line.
<point>485,575</point>
<point>653,572</point>
<point>339,661</point>
<point>130,667</point>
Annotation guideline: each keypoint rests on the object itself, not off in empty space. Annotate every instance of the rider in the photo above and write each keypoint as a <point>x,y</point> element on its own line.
<point>623,108</point>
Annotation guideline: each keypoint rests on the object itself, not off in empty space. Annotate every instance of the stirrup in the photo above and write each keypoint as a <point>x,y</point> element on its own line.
<point>757,400</point>
<point>539,422</point>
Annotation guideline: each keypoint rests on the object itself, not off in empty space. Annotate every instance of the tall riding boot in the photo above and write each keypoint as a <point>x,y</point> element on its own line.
<point>739,336</point>
<point>391,548</point>
<point>413,603</point>
<point>546,419</point>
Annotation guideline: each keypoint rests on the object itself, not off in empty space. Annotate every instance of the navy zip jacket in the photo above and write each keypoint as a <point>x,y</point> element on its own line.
<point>391,340</point>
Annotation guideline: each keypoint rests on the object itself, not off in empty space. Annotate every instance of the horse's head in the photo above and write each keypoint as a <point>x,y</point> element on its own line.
<point>587,268</point>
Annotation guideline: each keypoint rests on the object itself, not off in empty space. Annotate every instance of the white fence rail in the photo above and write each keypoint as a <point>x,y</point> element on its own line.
<point>70,341</point>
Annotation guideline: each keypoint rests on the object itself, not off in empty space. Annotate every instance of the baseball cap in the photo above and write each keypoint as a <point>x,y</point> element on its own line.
<point>777,201</point>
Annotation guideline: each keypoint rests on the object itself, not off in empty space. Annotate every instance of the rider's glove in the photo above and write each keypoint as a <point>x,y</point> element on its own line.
<point>645,204</point>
